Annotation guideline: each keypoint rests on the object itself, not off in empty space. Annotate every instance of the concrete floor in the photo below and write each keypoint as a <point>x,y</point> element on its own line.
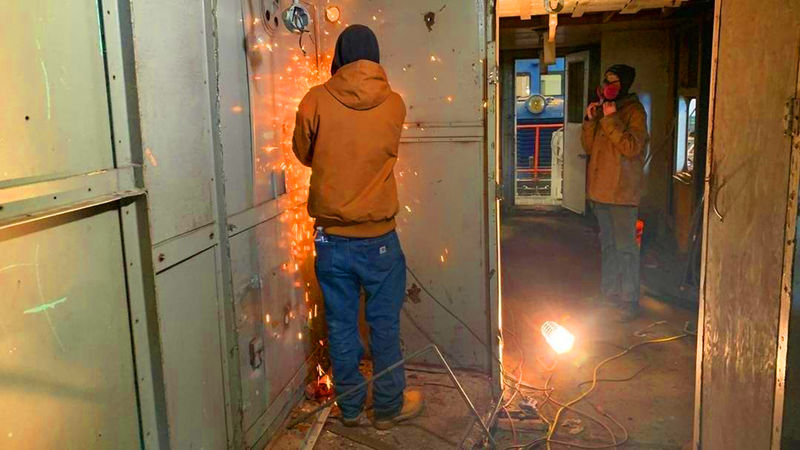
<point>550,267</point>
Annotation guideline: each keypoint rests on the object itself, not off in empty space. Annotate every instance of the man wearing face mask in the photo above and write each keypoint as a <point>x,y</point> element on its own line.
<point>615,136</point>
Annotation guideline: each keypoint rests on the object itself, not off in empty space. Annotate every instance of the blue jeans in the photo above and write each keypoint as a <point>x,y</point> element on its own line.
<point>344,266</point>
<point>619,251</point>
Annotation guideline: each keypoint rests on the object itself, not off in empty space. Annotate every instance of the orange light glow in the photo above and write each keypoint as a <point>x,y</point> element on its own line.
<point>332,14</point>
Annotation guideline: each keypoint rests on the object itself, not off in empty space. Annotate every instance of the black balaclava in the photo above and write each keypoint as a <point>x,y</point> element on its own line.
<point>626,76</point>
<point>356,42</point>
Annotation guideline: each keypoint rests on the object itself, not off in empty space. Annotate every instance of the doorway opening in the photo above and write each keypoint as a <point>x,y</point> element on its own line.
<point>622,380</point>
<point>539,121</point>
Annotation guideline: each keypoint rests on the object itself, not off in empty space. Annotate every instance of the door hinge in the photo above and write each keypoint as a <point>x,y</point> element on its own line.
<point>493,77</point>
<point>791,117</point>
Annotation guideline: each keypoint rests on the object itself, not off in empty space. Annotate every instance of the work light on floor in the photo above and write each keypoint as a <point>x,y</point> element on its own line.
<point>558,337</point>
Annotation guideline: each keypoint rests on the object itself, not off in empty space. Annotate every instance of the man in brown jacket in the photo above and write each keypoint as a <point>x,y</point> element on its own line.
<point>615,137</point>
<point>348,131</point>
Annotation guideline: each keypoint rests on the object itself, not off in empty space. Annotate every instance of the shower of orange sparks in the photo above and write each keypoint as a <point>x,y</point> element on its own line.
<point>274,134</point>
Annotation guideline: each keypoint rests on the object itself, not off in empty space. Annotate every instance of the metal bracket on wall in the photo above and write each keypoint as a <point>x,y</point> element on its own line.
<point>43,198</point>
<point>791,117</point>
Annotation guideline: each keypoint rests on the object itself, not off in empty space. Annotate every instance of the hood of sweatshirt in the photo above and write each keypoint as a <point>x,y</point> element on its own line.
<point>360,85</point>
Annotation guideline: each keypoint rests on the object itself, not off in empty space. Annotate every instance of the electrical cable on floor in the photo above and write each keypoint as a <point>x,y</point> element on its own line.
<point>519,383</point>
<point>513,429</point>
<point>549,399</point>
<point>553,426</point>
<point>618,380</point>
<point>607,428</point>
<point>475,335</point>
<point>583,395</point>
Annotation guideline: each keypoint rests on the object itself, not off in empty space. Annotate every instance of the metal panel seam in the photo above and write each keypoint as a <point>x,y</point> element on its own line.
<point>698,391</point>
<point>229,351</point>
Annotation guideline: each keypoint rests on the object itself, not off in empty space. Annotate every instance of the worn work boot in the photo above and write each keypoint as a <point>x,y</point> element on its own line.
<point>412,407</point>
<point>353,422</point>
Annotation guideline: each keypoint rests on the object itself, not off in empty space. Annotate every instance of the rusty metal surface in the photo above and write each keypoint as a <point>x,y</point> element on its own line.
<point>790,243</point>
<point>791,421</point>
<point>750,167</point>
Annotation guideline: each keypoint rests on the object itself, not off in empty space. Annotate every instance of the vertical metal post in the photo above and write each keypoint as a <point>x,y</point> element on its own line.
<point>698,389</point>
<point>134,223</point>
<point>230,350</point>
<point>488,33</point>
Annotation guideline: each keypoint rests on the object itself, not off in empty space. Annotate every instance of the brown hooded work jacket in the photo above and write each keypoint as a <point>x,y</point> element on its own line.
<point>616,146</point>
<point>348,130</point>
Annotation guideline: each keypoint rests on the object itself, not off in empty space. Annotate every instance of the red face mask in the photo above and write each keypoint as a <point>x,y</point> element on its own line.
<point>608,91</point>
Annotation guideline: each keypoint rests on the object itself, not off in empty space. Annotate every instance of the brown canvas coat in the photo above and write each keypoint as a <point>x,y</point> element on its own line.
<point>348,132</point>
<point>616,146</point>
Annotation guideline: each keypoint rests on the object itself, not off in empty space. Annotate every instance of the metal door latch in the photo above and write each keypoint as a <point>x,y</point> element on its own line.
<point>791,117</point>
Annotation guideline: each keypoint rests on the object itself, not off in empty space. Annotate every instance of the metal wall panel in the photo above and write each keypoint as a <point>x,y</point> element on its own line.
<point>174,102</point>
<point>438,71</point>
<point>54,119</point>
<point>266,77</point>
<point>747,198</point>
<point>271,316</point>
<point>190,341</point>
<point>235,110</point>
<point>248,285</point>
<point>448,257</point>
<point>277,74</point>
<point>66,365</point>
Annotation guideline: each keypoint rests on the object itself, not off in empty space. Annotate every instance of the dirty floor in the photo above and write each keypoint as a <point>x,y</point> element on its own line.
<point>442,425</point>
<point>550,270</point>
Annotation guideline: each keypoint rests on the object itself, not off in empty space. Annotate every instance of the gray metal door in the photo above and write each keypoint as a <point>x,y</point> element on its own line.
<point>577,84</point>
<point>751,207</point>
